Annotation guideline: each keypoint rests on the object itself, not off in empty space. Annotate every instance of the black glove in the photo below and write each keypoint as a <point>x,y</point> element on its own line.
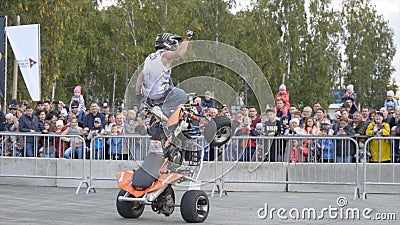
<point>189,34</point>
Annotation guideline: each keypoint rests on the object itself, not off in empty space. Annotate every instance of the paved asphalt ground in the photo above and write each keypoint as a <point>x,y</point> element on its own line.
<point>52,205</point>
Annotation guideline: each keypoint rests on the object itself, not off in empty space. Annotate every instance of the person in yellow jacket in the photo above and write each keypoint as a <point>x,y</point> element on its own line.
<point>379,128</point>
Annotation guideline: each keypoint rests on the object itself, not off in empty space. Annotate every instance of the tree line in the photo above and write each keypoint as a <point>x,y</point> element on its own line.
<point>309,46</point>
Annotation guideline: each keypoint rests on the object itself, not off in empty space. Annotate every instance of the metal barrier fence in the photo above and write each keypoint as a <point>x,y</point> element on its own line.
<point>130,150</point>
<point>291,160</point>
<point>28,146</point>
<point>382,169</point>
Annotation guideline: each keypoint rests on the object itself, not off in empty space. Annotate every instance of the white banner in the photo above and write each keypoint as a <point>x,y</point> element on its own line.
<point>25,43</point>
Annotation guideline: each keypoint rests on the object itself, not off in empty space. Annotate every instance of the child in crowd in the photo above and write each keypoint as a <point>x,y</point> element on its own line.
<point>47,150</point>
<point>325,147</point>
<point>76,144</point>
<point>298,153</point>
<point>284,95</point>
<point>390,101</point>
<point>13,146</point>
<point>60,145</point>
<point>363,153</point>
<point>79,98</point>
<point>115,143</point>
<point>98,143</point>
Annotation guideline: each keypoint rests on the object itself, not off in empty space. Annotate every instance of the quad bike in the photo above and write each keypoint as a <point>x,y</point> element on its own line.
<point>181,161</point>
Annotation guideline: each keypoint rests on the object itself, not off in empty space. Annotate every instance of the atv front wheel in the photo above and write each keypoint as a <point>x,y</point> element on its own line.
<point>194,206</point>
<point>218,131</point>
<point>129,209</point>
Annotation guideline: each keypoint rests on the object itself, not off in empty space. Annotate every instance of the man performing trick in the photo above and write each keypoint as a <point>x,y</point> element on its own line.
<point>154,84</point>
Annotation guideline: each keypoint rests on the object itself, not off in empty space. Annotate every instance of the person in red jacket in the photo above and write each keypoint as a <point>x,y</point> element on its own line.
<point>284,95</point>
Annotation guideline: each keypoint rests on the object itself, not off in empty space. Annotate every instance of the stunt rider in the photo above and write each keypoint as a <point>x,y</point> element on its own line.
<point>154,84</point>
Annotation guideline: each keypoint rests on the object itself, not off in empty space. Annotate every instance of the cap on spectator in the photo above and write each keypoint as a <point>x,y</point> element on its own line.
<point>338,113</point>
<point>259,126</point>
<point>394,128</point>
<point>345,105</point>
<point>350,87</point>
<point>14,102</point>
<point>282,87</point>
<point>379,113</point>
<point>97,119</point>
<point>78,89</point>
<point>294,120</point>
<point>12,106</point>
<point>59,123</point>
<point>390,93</point>
<point>105,104</point>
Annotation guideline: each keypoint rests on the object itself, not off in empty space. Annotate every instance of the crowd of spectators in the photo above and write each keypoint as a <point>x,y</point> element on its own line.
<point>318,133</point>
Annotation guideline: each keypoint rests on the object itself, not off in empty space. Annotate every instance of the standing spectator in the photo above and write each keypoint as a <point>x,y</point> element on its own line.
<point>344,151</point>
<point>29,123</point>
<point>60,144</point>
<point>47,148</point>
<point>247,145</point>
<point>294,129</point>
<point>292,110</point>
<point>390,101</point>
<point>110,121</point>
<point>365,114</point>
<point>76,144</point>
<point>307,112</point>
<point>46,106</point>
<point>78,113</point>
<point>298,153</point>
<point>115,143</point>
<point>13,109</point>
<point>325,147</point>
<point>358,125</point>
<point>284,95</point>
<point>350,93</point>
<point>272,127</point>
<point>320,117</point>
<point>280,108</point>
<point>310,127</point>
<point>380,149</point>
<point>78,97</point>
<point>391,117</point>
<point>317,105</point>
<point>106,108</point>
<point>253,114</point>
<point>42,119</point>
<point>61,108</point>
<point>39,107</point>
<point>352,106</point>
<point>88,121</point>
<point>208,101</point>
<point>98,143</point>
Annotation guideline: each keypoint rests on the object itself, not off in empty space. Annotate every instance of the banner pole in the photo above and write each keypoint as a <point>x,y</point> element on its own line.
<point>15,78</point>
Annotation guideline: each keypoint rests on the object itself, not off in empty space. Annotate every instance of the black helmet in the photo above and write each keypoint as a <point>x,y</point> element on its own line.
<point>167,40</point>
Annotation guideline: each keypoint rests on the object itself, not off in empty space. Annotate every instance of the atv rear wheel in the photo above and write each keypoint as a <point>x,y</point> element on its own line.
<point>194,206</point>
<point>218,131</point>
<point>129,209</point>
